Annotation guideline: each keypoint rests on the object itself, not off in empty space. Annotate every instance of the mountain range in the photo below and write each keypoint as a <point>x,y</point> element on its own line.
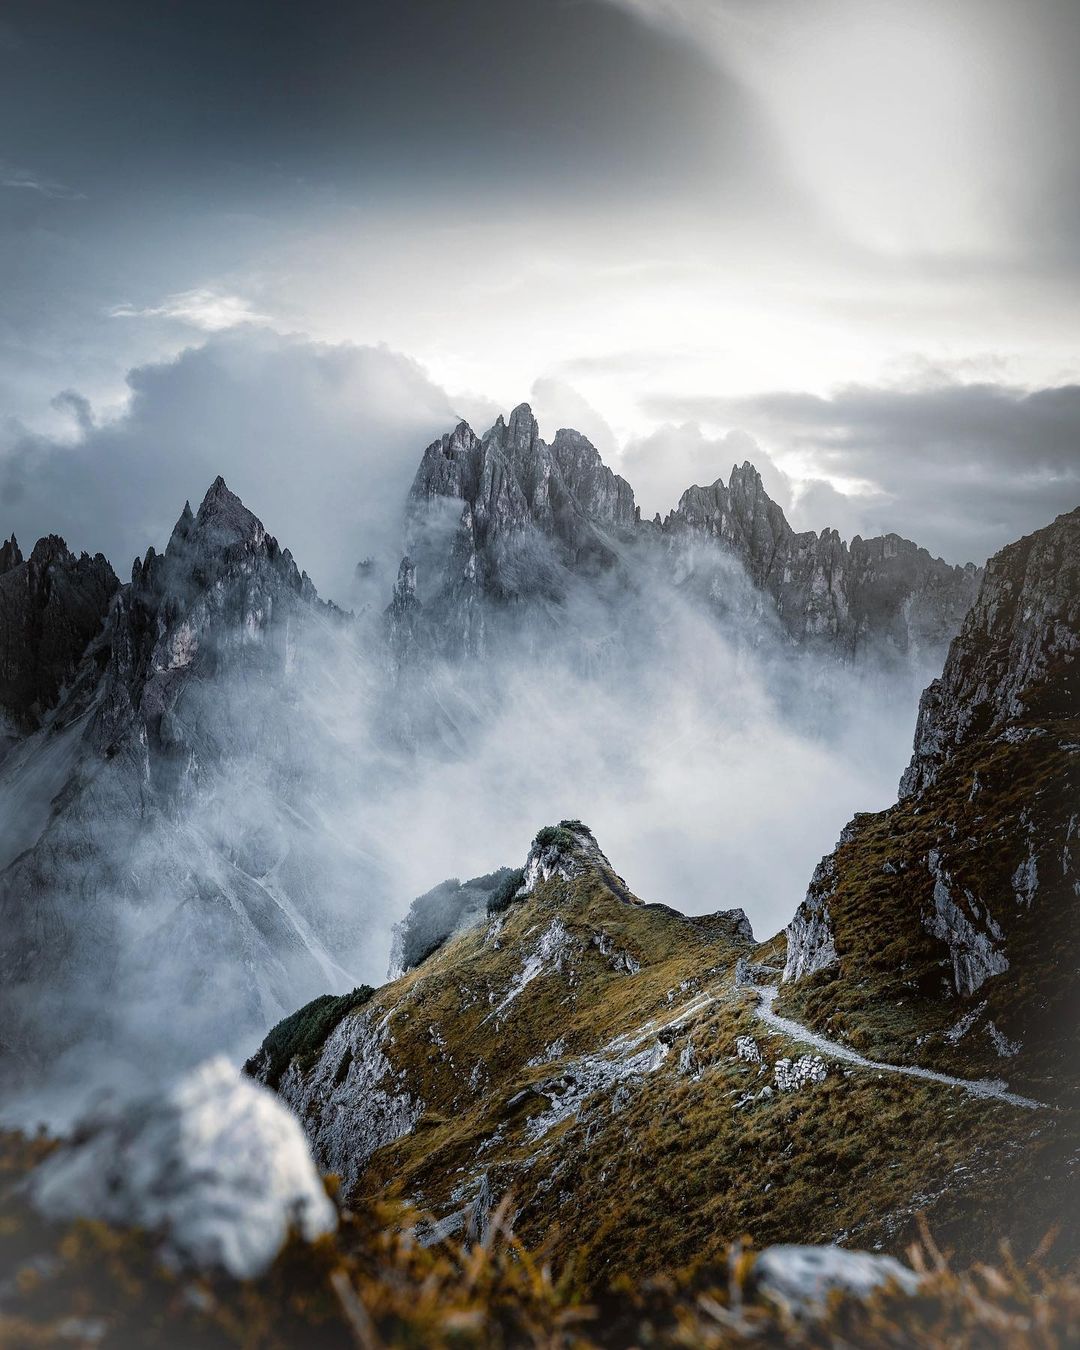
<point>207,774</point>
<point>174,831</point>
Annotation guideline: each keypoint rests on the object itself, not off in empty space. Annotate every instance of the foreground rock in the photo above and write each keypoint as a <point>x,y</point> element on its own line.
<point>216,1167</point>
<point>803,1278</point>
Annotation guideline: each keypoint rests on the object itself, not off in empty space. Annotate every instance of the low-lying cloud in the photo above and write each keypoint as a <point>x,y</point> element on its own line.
<point>320,440</point>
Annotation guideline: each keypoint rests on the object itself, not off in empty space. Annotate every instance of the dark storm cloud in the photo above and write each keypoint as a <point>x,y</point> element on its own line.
<point>202,144</point>
<point>962,468</point>
<point>422,91</point>
<point>320,441</point>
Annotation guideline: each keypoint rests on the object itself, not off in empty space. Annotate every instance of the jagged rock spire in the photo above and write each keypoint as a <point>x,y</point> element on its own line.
<point>10,555</point>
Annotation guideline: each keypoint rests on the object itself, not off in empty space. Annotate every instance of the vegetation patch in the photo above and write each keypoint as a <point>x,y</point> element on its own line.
<point>501,899</point>
<point>303,1034</point>
<point>373,1285</point>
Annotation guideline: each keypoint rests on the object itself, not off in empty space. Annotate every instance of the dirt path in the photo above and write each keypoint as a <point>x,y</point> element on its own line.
<point>983,1087</point>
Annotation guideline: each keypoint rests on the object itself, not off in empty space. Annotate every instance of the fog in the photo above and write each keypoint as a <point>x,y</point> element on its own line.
<point>310,784</point>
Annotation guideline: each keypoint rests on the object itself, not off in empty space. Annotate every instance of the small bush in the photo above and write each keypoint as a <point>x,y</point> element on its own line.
<point>554,836</point>
<point>303,1034</point>
<point>503,897</point>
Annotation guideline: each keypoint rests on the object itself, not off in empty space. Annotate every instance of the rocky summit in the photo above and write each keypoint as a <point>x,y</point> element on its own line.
<point>503,519</point>
<point>144,856</point>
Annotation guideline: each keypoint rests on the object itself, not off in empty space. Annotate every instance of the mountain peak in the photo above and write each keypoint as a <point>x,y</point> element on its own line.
<point>569,851</point>
<point>10,555</point>
<point>225,518</point>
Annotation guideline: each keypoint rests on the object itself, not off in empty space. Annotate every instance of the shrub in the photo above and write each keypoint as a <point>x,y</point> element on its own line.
<point>502,898</point>
<point>554,836</point>
<point>303,1034</point>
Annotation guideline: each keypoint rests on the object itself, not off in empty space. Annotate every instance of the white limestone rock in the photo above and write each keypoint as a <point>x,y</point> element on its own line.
<point>972,935</point>
<point>791,1075</point>
<point>352,1101</point>
<point>802,1278</point>
<point>810,942</point>
<point>747,1049</point>
<point>216,1165</point>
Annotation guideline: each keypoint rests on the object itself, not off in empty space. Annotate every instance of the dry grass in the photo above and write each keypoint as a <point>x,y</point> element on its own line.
<point>373,1286</point>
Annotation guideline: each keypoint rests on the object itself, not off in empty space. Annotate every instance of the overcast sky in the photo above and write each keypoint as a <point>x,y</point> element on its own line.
<point>290,242</point>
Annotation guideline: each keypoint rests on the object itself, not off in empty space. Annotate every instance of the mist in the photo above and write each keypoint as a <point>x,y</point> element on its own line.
<point>309,786</point>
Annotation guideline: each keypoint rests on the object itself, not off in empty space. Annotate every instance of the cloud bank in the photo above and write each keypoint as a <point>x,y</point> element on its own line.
<point>321,439</point>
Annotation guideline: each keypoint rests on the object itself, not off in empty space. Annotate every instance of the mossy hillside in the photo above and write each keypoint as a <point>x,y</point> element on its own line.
<point>891,994</point>
<point>669,1165</point>
<point>453,998</point>
<point>678,1168</point>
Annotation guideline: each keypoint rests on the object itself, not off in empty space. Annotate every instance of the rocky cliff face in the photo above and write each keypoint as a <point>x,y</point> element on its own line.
<point>52,605</point>
<point>505,519</point>
<point>1016,661</point>
<point>883,594</point>
<point>171,858</point>
<point>959,903</point>
<point>501,519</point>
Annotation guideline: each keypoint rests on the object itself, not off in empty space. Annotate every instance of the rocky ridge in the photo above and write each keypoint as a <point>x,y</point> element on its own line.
<point>52,605</point>
<point>597,1055</point>
<point>152,836</point>
<point>885,591</point>
<point>506,518</point>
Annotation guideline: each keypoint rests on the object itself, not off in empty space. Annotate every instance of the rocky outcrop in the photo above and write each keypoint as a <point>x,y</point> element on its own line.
<point>1017,656</point>
<point>52,605</point>
<point>214,1167</point>
<point>802,1279</point>
<point>502,519</point>
<point>353,1101</point>
<point>968,929</point>
<point>884,595</point>
<point>810,943</point>
<point>568,851</point>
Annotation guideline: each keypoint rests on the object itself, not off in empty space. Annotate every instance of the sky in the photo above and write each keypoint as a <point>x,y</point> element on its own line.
<point>291,244</point>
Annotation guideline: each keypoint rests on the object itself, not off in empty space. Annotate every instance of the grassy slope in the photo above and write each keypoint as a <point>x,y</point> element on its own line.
<point>666,1170</point>
<point>373,1285</point>
<point>890,995</point>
